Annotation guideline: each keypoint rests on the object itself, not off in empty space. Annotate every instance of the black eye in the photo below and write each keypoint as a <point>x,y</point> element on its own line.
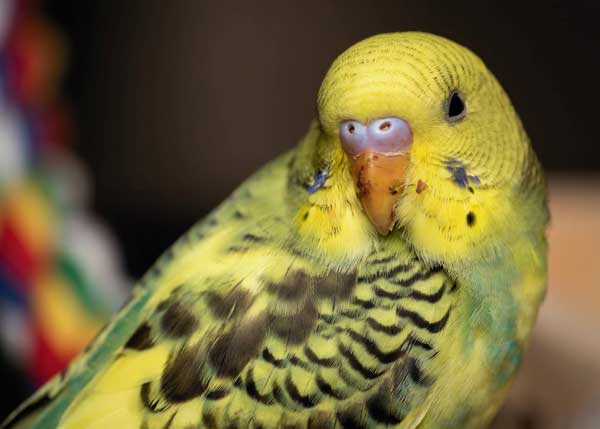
<point>454,107</point>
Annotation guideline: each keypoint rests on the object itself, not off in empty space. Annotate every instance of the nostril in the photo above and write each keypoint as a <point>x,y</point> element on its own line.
<point>353,135</point>
<point>385,126</point>
<point>385,135</point>
<point>389,135</point>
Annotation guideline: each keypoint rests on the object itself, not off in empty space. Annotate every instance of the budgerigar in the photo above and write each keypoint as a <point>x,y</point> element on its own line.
<point>385,273</point>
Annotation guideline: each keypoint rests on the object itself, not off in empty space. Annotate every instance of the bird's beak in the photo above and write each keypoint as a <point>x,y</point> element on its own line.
<point>379,180</point>
<point>379,158</point>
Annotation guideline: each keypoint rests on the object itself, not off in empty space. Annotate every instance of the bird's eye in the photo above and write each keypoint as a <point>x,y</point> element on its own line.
<point>454,107</point>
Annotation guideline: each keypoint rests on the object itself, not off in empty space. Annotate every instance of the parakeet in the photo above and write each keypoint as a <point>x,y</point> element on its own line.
<point>385,273</point>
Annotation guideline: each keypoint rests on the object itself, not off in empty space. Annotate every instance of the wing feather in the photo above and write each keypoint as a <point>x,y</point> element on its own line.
<point>234,328</point>
<point>301,348</point>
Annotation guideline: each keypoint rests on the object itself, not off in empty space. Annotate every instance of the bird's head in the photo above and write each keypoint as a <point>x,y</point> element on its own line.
<point>431,144</point>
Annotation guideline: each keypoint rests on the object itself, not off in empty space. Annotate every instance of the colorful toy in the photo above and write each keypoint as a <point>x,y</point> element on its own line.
<point>59,270</point>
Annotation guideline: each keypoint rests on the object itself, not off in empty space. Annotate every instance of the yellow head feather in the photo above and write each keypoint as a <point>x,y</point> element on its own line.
<point>477,171</point>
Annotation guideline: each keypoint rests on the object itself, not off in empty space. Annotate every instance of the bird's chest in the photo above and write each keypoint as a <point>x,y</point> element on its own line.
<point>480,358</point>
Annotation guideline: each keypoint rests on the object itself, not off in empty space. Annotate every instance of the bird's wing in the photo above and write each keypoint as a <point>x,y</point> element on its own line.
<point>236,330</point>
<point>308,350</point>
<point>46,407</point>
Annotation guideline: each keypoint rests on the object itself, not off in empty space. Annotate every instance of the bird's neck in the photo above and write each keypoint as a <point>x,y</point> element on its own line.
<point>500,299</point>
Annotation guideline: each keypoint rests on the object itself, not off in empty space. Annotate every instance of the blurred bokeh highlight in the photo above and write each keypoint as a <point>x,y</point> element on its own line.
<point>59,269</point>
<point>173,104</point>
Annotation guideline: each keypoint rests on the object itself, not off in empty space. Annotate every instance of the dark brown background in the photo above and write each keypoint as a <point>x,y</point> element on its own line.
<point>178,101</point>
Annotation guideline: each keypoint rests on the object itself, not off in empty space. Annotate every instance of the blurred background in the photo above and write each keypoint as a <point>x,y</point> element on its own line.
<point>125,122</point>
